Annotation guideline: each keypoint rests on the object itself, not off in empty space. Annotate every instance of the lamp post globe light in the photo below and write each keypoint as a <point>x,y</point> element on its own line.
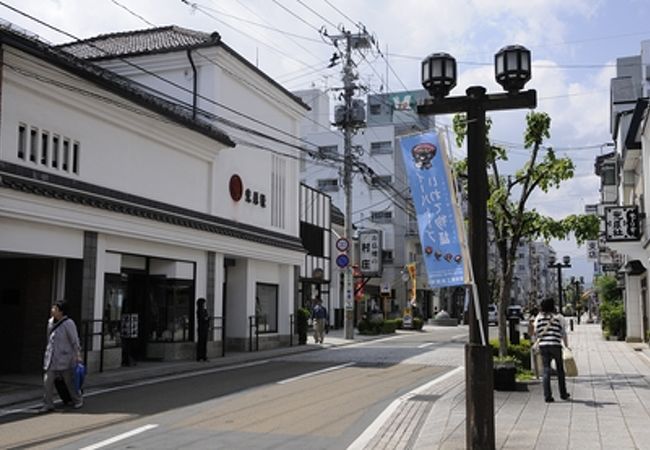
<point>439,74</point>
<point>565,263</point>
<point>512,70</point>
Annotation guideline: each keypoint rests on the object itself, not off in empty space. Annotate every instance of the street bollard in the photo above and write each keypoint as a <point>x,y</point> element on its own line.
<point>571,324</point>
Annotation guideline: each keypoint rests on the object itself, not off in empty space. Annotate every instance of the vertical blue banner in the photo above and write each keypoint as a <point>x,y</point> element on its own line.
<point>438,214</point>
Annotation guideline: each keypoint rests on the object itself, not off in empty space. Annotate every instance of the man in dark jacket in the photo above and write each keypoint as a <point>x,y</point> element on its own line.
<point>202,325</point>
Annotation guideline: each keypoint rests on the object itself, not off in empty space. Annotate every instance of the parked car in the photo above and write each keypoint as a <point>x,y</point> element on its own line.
<point>493,314</point>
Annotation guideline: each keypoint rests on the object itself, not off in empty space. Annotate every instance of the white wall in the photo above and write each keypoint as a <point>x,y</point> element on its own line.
<point>40,239</point>
<point>119,149</point>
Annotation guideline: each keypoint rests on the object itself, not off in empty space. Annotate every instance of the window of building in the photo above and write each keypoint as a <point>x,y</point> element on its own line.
<point>33,144</point>
<point>65,159</point>
<point>328,151</point>
<point>375,109</point>
<point>55,151</point>
<point>381,148</point>
<point>381,216</point>
<point>379,181</point>
<point>278,190</point>
<point>266,307</point>
<point>608,175</point>
<point>387,256</point>
<point>171,313</point>
<point>22,141</point>
<point>328,185</point>
<point>60,152</point>
<point>75,157</point>
<point>45,143</point>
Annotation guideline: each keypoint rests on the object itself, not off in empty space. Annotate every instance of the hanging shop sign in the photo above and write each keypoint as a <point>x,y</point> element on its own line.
<point>370,248</point>
<point>622,223</point>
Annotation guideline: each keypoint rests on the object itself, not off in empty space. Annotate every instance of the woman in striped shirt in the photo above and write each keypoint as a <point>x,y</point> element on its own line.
<point>550,332</point>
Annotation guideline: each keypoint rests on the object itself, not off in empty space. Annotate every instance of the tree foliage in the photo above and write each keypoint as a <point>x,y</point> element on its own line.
<point>510,220</point>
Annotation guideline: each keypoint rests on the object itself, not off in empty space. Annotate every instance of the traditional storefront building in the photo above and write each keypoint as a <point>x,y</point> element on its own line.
<point>131,204</point>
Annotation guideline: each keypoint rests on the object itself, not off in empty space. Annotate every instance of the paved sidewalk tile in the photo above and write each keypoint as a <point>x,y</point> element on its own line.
<point>609,406</point>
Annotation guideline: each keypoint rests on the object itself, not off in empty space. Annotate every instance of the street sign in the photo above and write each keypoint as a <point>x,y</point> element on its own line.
<point>342,244</point>
<point>342,261</point>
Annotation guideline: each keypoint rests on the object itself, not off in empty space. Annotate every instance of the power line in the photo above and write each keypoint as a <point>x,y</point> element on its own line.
<point>317,14</point>
<point>296,16</point>
<point>285,54</point>
<point>132,13</point>
<point>342,13</point>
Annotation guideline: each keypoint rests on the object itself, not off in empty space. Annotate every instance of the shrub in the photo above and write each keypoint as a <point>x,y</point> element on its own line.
<point>612,314</point>
<point>520,353</point>
<point>377,326</point>
<point>417,323</point>
<point>399,323</point>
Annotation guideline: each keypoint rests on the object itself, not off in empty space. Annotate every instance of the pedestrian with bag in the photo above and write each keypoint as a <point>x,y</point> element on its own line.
<point>319,320</point>
<point>550,334</point>
<point>62,354</point>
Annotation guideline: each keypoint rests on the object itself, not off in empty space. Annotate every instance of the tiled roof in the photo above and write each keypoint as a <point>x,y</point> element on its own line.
<point>137,42</point>
<point>158,40</point>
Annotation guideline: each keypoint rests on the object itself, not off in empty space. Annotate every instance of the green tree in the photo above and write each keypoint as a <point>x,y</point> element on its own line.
<point>511,222</point>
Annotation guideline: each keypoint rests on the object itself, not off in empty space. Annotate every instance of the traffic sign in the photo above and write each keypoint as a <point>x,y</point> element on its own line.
<point>342,261</point>
<point>342,244</point>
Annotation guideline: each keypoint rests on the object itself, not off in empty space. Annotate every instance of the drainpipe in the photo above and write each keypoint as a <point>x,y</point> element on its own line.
<point>194,83</point>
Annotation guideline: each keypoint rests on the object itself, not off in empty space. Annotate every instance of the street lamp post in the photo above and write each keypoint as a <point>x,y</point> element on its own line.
<point>566,262</point>
<point>512,71</point>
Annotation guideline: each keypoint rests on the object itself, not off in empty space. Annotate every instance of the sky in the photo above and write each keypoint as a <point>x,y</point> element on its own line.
<point>574,45</point>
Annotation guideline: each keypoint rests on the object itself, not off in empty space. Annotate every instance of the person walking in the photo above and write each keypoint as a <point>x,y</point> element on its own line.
<point>62,354</point>
<point>550,333</point>
<point>319,317</point>
<point>202,325</point>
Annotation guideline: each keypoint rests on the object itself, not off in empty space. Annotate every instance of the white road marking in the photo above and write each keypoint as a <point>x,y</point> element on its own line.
<point>428,344</point>
<point>374,427</point>
<point>120,437</point>
<point>33,408</point>
<point>317,372</point>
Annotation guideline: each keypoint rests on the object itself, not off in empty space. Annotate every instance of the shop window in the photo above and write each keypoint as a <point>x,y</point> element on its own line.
<point>114,295</point>
<point>266,307</point>
<point>171,310</point>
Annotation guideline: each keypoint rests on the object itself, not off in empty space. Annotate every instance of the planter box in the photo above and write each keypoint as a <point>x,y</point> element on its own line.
<point>505,378</point>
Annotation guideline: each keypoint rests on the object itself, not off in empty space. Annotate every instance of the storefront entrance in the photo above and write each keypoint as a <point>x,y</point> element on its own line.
<point>28,287</point>
<point>142,309</point>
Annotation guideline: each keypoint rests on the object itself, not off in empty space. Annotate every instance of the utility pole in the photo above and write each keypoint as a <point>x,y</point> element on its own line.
<point>349,118</point>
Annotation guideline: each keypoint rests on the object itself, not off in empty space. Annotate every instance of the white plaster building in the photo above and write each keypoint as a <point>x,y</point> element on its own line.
<point>125,202</point>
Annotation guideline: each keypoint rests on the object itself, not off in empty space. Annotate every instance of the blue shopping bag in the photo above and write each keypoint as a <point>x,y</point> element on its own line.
<point>79,375</point>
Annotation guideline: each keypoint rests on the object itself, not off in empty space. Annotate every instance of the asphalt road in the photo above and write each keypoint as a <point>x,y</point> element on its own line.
<point>322,399</point>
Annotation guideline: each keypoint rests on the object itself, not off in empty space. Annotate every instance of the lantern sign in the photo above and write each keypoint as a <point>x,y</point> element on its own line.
<point>622,224</point>
<point>370,248</point>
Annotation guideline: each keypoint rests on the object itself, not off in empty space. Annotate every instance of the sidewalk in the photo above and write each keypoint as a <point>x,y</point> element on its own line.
<point>609,407</point>
<point>19,388</point>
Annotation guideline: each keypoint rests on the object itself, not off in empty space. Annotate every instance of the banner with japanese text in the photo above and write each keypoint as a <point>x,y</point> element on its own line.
<point>438,213</point>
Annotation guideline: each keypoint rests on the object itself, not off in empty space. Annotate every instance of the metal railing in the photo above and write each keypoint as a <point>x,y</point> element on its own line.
<point>89,332</point>
<point>253,323</point>
<point>217,323</point>
<point>291,330</point>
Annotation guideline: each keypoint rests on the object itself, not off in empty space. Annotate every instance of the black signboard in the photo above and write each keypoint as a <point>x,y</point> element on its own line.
<point>622,223</point>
